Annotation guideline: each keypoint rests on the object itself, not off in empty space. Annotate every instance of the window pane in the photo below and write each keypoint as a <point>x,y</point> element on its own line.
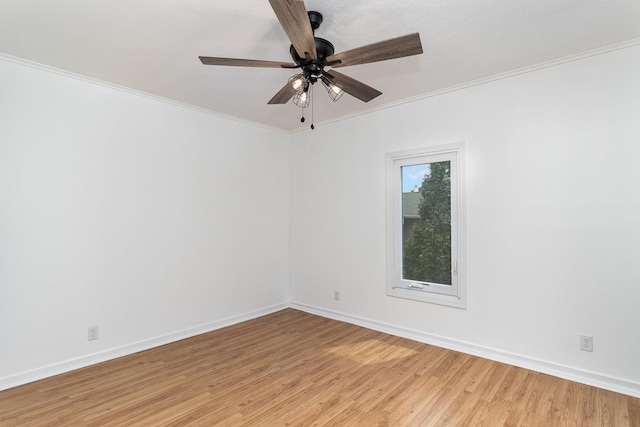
<point>426,222</point>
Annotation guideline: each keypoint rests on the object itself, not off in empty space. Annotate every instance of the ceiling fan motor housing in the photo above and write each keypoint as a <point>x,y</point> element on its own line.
<point>313,67</point>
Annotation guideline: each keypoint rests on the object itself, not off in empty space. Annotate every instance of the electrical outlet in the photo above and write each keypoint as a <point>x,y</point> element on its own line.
<point>336,295</point>
<point>93,333</point>
<point>586,343</point>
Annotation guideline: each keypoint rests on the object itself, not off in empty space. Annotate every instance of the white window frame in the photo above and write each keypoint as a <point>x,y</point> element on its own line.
<point>453,295</point>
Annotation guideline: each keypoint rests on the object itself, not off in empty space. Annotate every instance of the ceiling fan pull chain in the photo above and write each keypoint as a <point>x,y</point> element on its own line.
<point>312,98</point>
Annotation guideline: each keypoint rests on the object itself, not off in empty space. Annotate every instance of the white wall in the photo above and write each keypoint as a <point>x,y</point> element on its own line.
<point>151,220</point>
<point>553,218</point>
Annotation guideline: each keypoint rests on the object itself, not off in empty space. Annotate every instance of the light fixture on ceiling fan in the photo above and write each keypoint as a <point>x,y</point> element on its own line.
<point>302,86</point>
<point>313,54</point>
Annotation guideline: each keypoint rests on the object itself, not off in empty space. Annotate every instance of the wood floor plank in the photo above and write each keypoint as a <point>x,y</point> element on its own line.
<point>294,368</point>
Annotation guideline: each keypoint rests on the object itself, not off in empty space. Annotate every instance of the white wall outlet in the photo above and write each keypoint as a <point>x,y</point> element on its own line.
<point>586,343</point>
<point>336,295</point>
<point>93,333</point>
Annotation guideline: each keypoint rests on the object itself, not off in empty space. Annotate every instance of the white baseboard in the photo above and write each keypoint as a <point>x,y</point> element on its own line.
<point>557,370</point>
<point>582,376</point>
<point>103,356</point>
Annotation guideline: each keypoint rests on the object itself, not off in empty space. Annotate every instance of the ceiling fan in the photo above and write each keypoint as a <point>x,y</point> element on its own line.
<point>313,54</point>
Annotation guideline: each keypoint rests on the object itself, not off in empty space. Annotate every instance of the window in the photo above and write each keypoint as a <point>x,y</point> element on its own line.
<point>425,225</point>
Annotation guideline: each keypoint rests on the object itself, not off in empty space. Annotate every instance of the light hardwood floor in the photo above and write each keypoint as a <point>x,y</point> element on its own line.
<point>293,368</point>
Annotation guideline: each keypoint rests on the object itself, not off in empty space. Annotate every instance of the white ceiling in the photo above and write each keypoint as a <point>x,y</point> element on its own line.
<point>153,46</point>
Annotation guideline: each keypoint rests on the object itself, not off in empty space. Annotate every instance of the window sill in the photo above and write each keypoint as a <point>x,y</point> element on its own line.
<point>429,297</point>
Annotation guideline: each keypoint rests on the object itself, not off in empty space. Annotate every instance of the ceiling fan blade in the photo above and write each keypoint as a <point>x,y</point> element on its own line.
<point>398,47</point>
<point>293,18</point>
<point>284,95</point>
<point>352,86</point>
<point>208,60</point>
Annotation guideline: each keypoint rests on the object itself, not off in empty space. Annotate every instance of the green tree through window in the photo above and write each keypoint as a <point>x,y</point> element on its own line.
<point>427,249</point>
